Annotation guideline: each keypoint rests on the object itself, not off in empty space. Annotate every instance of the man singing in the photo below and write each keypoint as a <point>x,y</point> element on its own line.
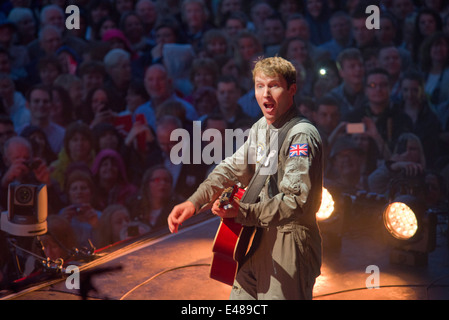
<point>285,257</point>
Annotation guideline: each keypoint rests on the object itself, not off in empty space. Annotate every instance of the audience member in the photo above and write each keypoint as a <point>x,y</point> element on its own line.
<point>259,11</point>
<point>205,101</point>
<point>39,102</point>
<point>62,112</point>
<point>341,36</point>
<point>155,199</point>
<point>389,59</point>
<point>111,179</point>
<point>133,29</point>
<point>317,13</point>
<point>363,37</point>
<point>23,167</point>
<point>159,87</point>
<point>74,87</point>
<point>186,175</point>
<point>344,171</point>
<point>195,17</point>
<point>390,122</point>
<point>234,23</point>
<point>19,53</point>
<point>203,73</point>
<point>92,75</point>
<point>81,211</point>
<point>228,93</point>
<point>425,122</point>
<point>78,147</point>
<point>26,29</point>
<point>326,118</point>
<point>427,22</point>
<point>214,43</point>
<point>49,68</point>
<point>118,67</point>
<point>39,144</point>
<point>296,49</point>
<point>350,93</point>
<point>408,160</point>
<point>273,33</point>
<point>434,64</point>
<point>115,225</point>
<point>13,102</point>
<point>148,13</point>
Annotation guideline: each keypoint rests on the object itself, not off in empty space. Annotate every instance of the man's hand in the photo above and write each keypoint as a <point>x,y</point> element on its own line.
<point>179,214</point>
<point>16,169</point>
<point>230,212</point>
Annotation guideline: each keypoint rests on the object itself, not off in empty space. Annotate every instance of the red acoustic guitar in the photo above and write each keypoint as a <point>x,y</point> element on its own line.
<point>231,243</point>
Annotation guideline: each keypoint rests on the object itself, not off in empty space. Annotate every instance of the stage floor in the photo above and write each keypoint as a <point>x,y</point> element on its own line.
<point>176,267</point>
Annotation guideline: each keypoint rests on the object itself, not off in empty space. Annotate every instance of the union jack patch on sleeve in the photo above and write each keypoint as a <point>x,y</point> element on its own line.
<point>301,150</point>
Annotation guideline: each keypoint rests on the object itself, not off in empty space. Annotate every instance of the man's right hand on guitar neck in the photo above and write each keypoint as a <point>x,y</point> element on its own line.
<point>179,214</point>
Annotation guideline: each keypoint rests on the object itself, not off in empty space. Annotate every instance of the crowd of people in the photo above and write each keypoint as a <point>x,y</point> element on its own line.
<point>89,111</point>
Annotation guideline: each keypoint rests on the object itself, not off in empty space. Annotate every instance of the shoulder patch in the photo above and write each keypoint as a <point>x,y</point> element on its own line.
<point>299,150</point>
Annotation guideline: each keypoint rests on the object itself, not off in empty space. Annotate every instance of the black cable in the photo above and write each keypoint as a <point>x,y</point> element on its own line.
<point>161,273</point>
<point>386,286</point>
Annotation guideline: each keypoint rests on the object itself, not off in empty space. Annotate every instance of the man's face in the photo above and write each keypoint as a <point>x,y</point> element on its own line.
<point>362,35</point>
<point>194,15</point>
<point>55,18</point>
<point>50,41</point>
<point>327,117</point>
<point>157,83</point>
<point>390,60</point>
<point>247,48</point>
<point>297,28</point>
<point>227,95</point>
<point>352,71</point>
<point>377,88</point>
<point>340,28</point>
<point>39,104</point>
<point>273,31</point>
<point>273,96</point>
<point>17,153</point>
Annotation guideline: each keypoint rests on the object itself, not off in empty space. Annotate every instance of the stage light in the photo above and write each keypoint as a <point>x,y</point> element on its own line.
<point>411,230</point>
<point>400,221</point>
<point>327,206</point>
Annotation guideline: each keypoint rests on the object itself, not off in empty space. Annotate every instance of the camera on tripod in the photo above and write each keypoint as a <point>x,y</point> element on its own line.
<point>27,210</point>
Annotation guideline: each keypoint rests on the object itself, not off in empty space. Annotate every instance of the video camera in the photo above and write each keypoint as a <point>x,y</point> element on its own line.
<point>27,210</point>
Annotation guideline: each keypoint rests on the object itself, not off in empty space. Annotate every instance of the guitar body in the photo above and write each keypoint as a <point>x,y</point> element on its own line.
<point>231,244</point>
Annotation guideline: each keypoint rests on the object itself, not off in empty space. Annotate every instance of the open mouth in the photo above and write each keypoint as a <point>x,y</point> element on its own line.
<point>269,107</point>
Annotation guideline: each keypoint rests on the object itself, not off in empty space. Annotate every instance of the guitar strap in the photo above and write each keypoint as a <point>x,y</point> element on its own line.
<point>259,179</point>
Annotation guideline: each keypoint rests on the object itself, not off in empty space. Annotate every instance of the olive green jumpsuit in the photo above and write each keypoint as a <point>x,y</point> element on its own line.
<point>285,257</point>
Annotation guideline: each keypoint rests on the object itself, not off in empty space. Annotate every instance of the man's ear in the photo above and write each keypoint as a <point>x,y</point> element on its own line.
<point>292,89</point>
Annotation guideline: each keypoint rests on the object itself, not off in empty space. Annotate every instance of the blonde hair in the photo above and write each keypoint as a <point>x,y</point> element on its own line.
<point>276,66</point>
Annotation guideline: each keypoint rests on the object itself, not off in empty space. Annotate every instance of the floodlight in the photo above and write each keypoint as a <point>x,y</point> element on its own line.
<point>327,206</point>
